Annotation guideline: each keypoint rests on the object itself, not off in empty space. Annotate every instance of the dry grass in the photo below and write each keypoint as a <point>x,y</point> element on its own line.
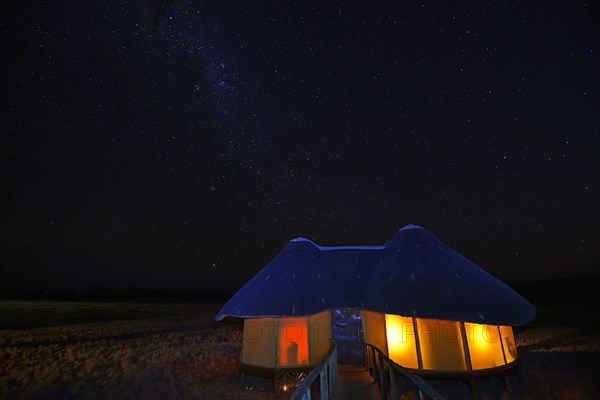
<point>69,350</point>
<point>149,351</point>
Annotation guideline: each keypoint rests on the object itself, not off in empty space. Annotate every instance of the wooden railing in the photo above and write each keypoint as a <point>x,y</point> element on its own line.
<point>378,364</point>
<point>326,370</point>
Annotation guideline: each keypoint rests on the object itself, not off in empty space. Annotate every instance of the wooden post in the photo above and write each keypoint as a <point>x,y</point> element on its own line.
<point>501,344</point>
<point>463,334</point>
<point>324,387</point>
<point>333,374</point>
<point>473,386</point>
<point>375,370</point>
<point>382,379</point>
<point>394,390</point>
<point>418,343</point>
<point>369,360</point>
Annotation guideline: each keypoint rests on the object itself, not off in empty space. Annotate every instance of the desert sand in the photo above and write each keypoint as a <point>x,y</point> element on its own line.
<point>132,350</point>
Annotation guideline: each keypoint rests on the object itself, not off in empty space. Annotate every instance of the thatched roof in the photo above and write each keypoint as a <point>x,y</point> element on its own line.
<point>413,274</point>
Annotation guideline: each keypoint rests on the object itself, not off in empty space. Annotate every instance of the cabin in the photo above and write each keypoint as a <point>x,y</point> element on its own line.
<point>424,305</point>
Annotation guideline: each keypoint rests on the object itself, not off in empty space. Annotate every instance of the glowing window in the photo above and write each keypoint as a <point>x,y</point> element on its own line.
<point>441,345</point>
<point>484,345</point>
<point>401,340</point>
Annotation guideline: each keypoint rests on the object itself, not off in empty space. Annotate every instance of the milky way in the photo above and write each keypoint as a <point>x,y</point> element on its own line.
<point>180,144</point>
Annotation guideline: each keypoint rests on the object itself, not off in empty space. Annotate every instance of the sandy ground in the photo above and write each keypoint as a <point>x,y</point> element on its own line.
<point>67,350</point>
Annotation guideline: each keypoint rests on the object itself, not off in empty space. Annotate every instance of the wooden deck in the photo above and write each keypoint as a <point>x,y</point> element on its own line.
<point>354,382</point>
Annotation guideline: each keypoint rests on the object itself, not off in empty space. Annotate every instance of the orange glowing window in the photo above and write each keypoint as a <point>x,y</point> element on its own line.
<point>484,345</point>
<point>293,342</point>
<point>401,340</point>
<point>441,345</point>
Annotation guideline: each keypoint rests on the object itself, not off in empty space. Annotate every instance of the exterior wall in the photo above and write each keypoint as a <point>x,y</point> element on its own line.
<point>319,326</point>
<point>441,345</point>
<point>485,346</point>
<point>259,346</point>
<point>508,343</point>
<point>286,342</point>
<point>401,340</point>
<point>436,345</point>
<point>374,329</point>
<point>302,341</point>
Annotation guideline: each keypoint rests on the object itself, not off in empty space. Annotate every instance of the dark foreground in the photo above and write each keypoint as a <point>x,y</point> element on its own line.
<point>127,350</point>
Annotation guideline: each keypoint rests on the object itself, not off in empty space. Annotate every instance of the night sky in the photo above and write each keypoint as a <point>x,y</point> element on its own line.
<point>181,144</point>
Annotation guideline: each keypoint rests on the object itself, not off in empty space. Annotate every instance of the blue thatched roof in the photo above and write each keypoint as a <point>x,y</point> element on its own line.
<point>413,274</point>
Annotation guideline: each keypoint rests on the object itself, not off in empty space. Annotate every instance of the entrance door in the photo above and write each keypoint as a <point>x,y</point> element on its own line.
<point>348,335</point>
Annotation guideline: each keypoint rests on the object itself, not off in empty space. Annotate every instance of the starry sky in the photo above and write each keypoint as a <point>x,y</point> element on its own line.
<point>180,144</point>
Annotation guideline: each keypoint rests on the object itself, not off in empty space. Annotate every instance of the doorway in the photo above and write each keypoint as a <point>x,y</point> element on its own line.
<point>347,333</point>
